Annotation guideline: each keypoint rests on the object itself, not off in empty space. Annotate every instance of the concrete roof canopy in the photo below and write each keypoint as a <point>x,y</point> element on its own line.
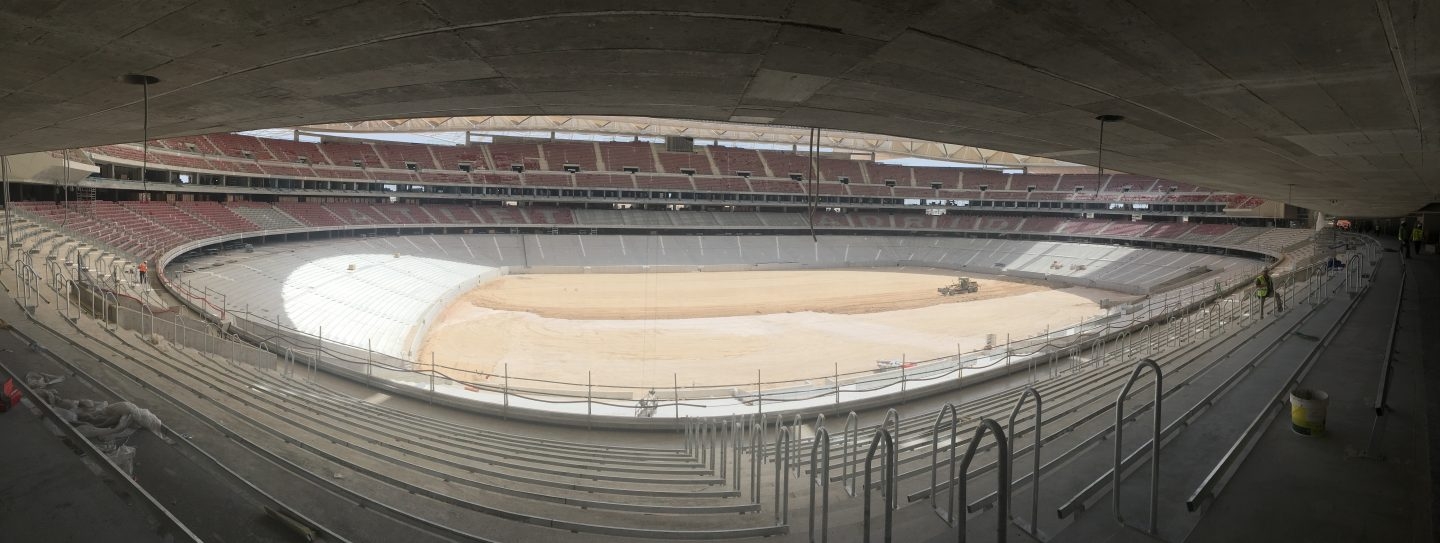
<point>1343,102</point>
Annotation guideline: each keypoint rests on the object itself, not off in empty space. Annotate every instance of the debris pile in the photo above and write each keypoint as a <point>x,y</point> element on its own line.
<point>107,425</point>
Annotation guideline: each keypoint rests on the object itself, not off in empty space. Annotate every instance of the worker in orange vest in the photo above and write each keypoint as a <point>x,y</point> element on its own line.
<point>143,269</point>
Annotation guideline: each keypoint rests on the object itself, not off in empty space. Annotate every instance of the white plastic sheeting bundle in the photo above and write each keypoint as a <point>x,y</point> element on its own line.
<point>105,424</point>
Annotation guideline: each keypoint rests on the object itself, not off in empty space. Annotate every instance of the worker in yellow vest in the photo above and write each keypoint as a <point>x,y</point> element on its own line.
<point>1265,288</point>
<point>1417,238</point>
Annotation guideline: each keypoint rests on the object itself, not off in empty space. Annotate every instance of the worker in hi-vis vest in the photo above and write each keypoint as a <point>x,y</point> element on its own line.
<point>1265,288</point>
<point>1417,238</point>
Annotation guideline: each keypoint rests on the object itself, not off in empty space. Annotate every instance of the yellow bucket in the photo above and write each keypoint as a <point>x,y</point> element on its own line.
<point>1307,411</point>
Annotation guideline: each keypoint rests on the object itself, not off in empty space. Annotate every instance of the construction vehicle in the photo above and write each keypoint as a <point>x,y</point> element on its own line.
<point>963,285</point>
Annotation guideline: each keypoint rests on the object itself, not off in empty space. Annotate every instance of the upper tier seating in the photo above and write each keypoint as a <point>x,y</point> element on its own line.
<point>294,151</point>
<point>147,229</point>
<point>785,164</point>
<point>505,155</point>
<point>619,155</point>
<point>237,146</point>
<point>731,159</point>
<point>346,154</point>
<point>582,154</point>
<point>398,155</point>
<point>674,162</point>
<point>973,179</point>
<point>948,178</point>
<point>440,164</point>
<point>451,157</point>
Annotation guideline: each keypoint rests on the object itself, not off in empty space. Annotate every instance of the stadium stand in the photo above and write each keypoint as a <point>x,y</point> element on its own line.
<point>451,157</point>
<point>783,165</point>
<point>398,156</point>
<point>558,154</point>
<point>619,155</point>
<point>294,151</point>
<point>674,162</point>
<point>264,216</point>
<point>237,146</point>
<point>506,155</point>
<point>661,182</point>
<point>346,154</point>
<point>600,180</point>
<point>730,160</point>
<point>543,164</point>
<point>310,214</point>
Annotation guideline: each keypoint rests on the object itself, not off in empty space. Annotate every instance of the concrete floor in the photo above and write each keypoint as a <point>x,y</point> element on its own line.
<point>1294,488</point>
<point>48,492</point>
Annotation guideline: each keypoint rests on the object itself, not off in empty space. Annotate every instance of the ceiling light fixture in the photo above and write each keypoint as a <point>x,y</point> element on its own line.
<point>144,81</point>
<point>1100,160</point>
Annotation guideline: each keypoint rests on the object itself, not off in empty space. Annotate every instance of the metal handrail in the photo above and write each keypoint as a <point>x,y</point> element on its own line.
<point>721,437</point>
<point>738,434</point>
<point>948,514</point>
<point>1117,475</point>
<point>1034,529</point>
<point>105,303</point>
<point>795,444</point>
<point>1002,507</point>
<point>892,416</point>
<point>757,440</point>
<point>820,450</point>
<point>782,482</point>
<point>882,436</point>
<point>850,448</point>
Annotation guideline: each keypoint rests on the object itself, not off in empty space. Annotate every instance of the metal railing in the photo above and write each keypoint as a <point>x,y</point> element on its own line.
<point>881,438</point>
<point>820,478</point>
<point>946,412</point>
<point>1002,521</point>
<point>1034,528</point>
<point>782,479</point>
<point>1118,474</point>
<point>850,447</point>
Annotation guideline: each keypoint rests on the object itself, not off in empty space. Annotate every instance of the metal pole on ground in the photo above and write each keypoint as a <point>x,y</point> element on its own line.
<point>319,347</point>
<point>675,384</point>
<point>759,398</point>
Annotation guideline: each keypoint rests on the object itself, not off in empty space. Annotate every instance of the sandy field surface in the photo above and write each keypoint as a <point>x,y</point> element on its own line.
<point>724,294</point>
<point>719,328</point>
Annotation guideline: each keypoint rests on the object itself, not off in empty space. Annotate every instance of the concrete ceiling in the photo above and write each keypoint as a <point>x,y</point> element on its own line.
<point>1338,102</point>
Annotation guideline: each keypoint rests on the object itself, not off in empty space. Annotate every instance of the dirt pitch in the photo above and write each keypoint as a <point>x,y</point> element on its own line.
<point>719,328</point>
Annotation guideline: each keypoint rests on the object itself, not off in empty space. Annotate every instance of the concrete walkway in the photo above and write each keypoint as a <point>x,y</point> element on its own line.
<point>1343,487</point>
<point>50,492</point>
